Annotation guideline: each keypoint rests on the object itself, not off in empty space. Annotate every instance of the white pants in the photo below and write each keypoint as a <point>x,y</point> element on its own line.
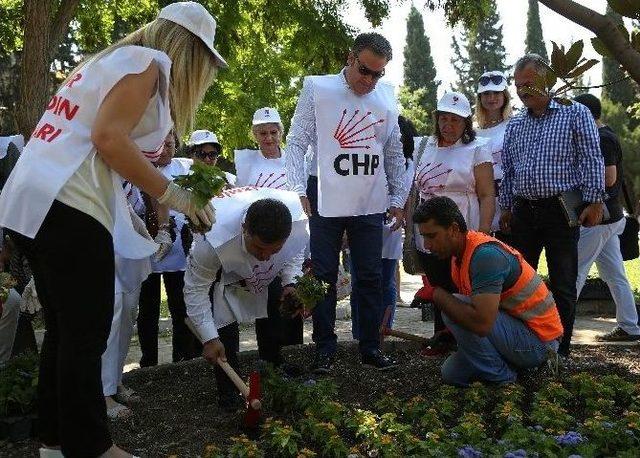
<point>601,244</point>
<point>125,311</point>
<point>9,324</point>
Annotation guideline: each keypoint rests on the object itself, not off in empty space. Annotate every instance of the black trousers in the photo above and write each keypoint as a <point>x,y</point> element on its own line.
<point>542,224</point>
<point>72,261</point>
<point>272,333</point>
<point>184,345</point>
<point>438,272</point>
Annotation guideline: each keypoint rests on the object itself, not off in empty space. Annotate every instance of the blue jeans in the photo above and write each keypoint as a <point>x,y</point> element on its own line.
<point>510,345</point>
<point>365,243</point>
<point>389,291</point>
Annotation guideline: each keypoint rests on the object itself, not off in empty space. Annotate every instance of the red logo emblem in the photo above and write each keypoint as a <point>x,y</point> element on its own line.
<point>347,135</point>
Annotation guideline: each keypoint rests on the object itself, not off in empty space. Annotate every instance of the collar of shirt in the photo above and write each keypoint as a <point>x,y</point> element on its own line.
<point>343,77</point>
<point>553,105</point>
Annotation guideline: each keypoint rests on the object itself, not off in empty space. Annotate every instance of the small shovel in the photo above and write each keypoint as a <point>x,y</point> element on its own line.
<point>386,331</point>
<point>251,393</point>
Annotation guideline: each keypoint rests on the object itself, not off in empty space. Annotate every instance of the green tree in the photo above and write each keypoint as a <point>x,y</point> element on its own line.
<point>420,82</point>
<point>412,109</point>
<point>483,51</point>
<point>622,92</point>
<point>535,41</point>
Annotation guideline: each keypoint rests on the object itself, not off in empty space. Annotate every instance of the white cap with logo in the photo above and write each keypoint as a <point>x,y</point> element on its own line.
<point>456,103</point>
<point>494,81</point>
<point>200,137</point>
<point>266,115</point>
<point>196,19</point>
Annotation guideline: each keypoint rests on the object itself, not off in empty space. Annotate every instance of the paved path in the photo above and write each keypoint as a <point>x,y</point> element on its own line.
<point>406,319</point>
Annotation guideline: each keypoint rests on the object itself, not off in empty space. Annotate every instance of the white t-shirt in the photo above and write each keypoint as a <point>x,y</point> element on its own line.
<point>253,169</point>
<point>495,138</point>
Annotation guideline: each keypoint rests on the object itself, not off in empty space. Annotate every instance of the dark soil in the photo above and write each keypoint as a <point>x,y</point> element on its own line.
<point>178,413</point>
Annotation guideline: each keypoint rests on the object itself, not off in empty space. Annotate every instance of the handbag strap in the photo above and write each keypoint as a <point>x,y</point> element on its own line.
<point>421,148</point>
<point>627,196</point>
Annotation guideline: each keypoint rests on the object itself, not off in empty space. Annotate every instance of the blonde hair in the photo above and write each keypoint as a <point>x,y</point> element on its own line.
<point>481,112</point>
<point>193,66</point>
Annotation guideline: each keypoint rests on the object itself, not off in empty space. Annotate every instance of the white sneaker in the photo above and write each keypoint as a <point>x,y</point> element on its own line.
<point>50,453</point>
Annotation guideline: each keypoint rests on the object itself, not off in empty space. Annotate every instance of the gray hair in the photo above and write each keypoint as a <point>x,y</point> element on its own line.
<point>538,62</point>
<point>375,42</point>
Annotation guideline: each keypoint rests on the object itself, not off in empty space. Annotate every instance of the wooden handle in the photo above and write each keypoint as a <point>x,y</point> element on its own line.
<point>407,336</point>
<point>226,367</point>
<point>235,378</point>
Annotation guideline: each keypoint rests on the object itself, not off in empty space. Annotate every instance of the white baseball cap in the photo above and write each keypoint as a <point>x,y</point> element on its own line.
<point>266,115</point>
<point>494,81</point>
<point>456,103</point>
<point>200,137</point>
<point>196,19</point>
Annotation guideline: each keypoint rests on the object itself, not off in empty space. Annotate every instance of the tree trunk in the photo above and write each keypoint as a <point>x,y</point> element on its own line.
<point>34,73</point>
<point>43,33</point>
<point>604,28</point>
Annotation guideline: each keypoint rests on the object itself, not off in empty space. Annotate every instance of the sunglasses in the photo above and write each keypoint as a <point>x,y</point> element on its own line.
<point>493,79</point>
<point>366,71</point>
<point>202,155</point>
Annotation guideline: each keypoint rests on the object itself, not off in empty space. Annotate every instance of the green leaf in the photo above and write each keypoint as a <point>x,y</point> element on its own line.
<point>574,54</point>
<point>563,100</point>
<point>600,48</point>
<point>550,79</point>
<point>582,68</point>
<point>558,61</point>
<point>635,40</point>
<point>629,8</point>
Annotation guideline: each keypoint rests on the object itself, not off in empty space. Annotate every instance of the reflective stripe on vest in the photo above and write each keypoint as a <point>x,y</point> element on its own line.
<point>528,299</point>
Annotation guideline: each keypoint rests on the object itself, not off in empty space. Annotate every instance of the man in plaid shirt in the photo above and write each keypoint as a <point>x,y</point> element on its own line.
<point>550,148</point>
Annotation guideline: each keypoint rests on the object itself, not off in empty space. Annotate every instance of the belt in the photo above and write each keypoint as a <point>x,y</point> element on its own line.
<point>540,203</point>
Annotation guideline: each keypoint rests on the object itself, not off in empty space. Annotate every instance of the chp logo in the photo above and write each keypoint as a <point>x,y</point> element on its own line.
<point>356,134</point>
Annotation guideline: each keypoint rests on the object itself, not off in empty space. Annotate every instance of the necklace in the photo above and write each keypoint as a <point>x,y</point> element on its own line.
<point>493,123</point>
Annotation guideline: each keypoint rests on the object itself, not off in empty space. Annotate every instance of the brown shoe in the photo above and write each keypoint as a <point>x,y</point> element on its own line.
<point>618,335</point>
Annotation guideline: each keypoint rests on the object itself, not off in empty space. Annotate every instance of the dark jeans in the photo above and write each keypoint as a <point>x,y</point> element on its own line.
<point>230,337</point>
<point>389,295</point>
<point>364,234</point>
<point>276,331</point>
<point>438,272</point>
<point>72,261</point>
<point>542,224</point>
<point>184,344</point>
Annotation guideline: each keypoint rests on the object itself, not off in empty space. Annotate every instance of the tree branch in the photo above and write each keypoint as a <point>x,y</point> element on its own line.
<point>60,24</point>
<point>605,28</point>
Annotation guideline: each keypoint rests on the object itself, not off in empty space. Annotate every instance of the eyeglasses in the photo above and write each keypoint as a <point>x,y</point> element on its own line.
<point>494,79</point>
<point>366,71</point>
<point>202,155</point>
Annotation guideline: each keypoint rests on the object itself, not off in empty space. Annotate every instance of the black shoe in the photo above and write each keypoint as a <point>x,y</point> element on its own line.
<point>291,370</point>
<point>378,361</point>
<point>618,335</point>
<point>322,364</point>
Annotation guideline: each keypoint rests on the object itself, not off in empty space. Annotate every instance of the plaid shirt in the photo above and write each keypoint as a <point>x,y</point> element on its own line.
<point>544,156</point>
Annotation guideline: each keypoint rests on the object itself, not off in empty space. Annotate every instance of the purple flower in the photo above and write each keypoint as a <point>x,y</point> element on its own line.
<point>571,438</point>
<point>310,382</point>
<point>520,453</point>
<point>469,452</point>
<point>538,427</point>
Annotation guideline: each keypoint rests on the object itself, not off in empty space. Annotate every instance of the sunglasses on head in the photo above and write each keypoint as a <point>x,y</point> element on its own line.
<point>366,71</point>
<point>202,155</point>
<point>493,79</point>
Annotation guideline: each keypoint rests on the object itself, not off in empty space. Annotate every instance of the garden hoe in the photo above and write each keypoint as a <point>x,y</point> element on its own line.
<point>386,331</point>
<point>251,393</point>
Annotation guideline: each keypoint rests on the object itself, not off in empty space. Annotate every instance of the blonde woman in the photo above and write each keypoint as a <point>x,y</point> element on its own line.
<point>65,207</point>
<point>493,111</point>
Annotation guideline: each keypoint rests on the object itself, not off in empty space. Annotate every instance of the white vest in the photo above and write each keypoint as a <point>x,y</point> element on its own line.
<point>352,131</point>
<point>449,171</point>
<point>241,293</point>
<point>253,169</point>
<point>62,141</point>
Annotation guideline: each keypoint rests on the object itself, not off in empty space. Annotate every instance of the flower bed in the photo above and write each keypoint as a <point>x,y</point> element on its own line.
<point>583,415</point>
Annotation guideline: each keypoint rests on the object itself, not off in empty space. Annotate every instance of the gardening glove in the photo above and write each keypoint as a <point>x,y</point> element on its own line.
<point>30,303</point>
<point>183,200</point>
<point>164,240</point>
<point>425,294</point>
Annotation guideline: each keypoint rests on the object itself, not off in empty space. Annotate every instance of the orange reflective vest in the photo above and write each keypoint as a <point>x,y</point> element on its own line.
<point>528,299</point>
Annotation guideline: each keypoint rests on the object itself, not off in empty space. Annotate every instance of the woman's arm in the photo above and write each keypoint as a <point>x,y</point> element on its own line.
<point>119,113</point>
<point>486,194</point>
